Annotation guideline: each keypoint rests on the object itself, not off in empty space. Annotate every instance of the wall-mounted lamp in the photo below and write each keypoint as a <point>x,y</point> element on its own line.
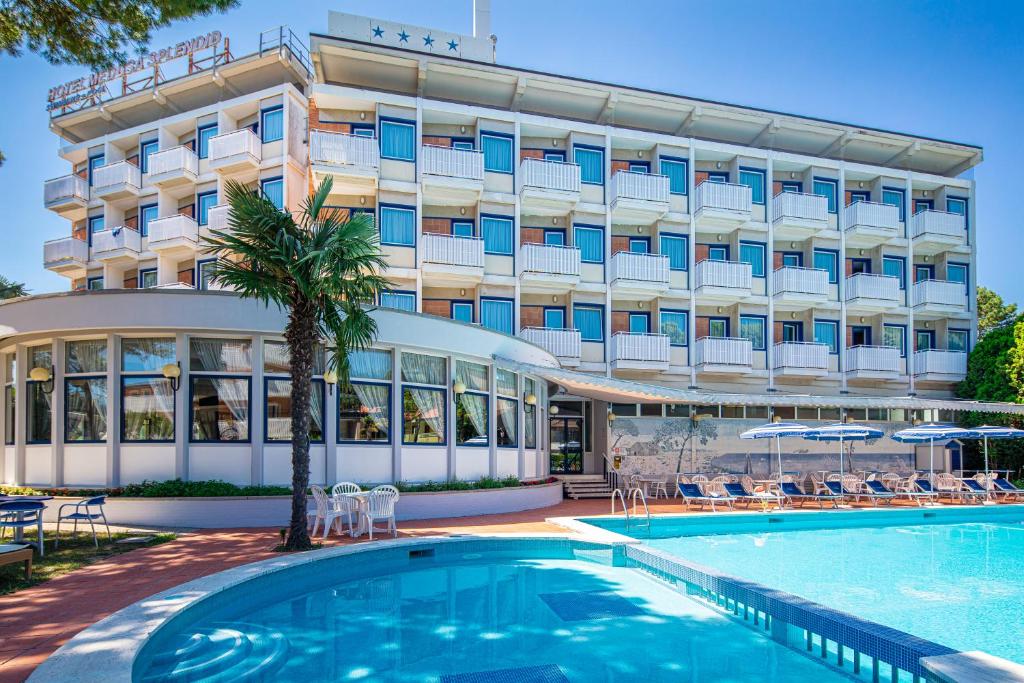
<point>792,175</point>
<point>718,164</point>
<point>927,325</point>
<point>462,211</point>
<point>462,129</point>
<point>530,399</point>
<point>639,229</point>
<point>554,220</point>
<point>554,142</point>
<point>553,410</point>
<point>171,371</point>
<point>44,376</point>
<point>330,379</point>
<point>462,292</point>
<point>861,185</point>
<point>719,309</point>
<point>362,116</point>
<point>926,193</point>
<point>721,238</point>
<point>862,319</point>
<point>926,259</point>
<point>792,315</point>
<point>861,252</point>
<point>362,201</point>
<point>459,388</point>
<point>554,299</point>
<point>640,305</point>
<point>611,417</point>
<point>792,245</point>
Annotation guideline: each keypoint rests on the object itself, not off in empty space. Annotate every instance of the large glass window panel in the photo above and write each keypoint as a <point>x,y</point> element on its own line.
<point>673,325</point>
<point>397,226</point>
<point>203,140</point>
<point>473,375</point>
<point>507,436</point>
<point>10,413</point>
<point>371,364</point>
<point>591,163</point>
<point>752,328</point>
<point>146,355</point>
<point>530,426</point>
<point>674,247</point>
<point>220,355</point>
<point>507,382</point>
<point>497,234</point>
<point>496,314</point>
<point>893,267</point>
<point>397,140</point>
<point>590,242</point>
<point>145,150</point>
<point>402,301</point>
<point>85,409</point>
<point>208,200</point>
<point>894,198</point>
<point>956,272</point>
<point>85,356</point>
<point>40,357</point>
<point>754,255</point>
<point>827,260</point>
<point>364,412</point>
<point>957,340</point>
<point>147,214</point>
<point>279,410</point>
<point>273,190</point>
<point>675,169</point>
<point>423,411</point>
<point>272,127</point>
<point>589,320</point>
<point>147,409</point>
<point>471,420</point>
<point>755,181</point>
<point>420,369</point>
<point>38,417</point>
<point>827,189</point>
<point>497,153</point>
<point>895,337</point>
<point>220,409</point>
<point>827,332</point>
<point>147,278</point>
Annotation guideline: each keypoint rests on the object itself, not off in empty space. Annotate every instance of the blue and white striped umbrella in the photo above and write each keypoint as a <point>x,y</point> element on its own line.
<point>930,433</point>
<point>987,432</point>
<point>775,430</point>
<point>843,432</point>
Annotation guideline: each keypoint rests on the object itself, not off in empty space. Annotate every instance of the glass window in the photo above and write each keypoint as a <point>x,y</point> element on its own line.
<point>147,278</point>
<point>147,409</point>
<point>397,226</point>
<point>894,268</point>
<point>278,404</point>
<point>96,224</point>
<point>507,382</point>
<point>94,163</point>
<point>496,314</point>
<point>203,136</point>
<point>145,149</point>
<point>674,246</point>
<point>754,255</point>
<point>462,311</point>
<point>753,179</point>
<point>471,420</point>
<point>590,242</point>
<point>462,228</point>
<point>462,144</point>
<point>827,260</point>
<point>272,124</point>
<point>208,200</point>
<point>220,355</point>
<point>623,409</point>
<point>206,270</point>
<point>39,416</point>
<point>718,328</point>
<point>273,190</point>
<point>591,163</point>
<point>497,151</point>
<point>554,237</point>
<point>146,355</point>
<point>497,234</point>
<point>589,320</point>
<point>147,214</point>
<point>398,140</point>
<point>371,364</point>
<point>639,323</point>
<point>423,415</point>
<point>10,404</point>
<point>473,375</point>
<point>94,283</point>
<point>956,272</point>
<point>277,359</point>
<point>894,198</point>
<point>894,336</point>
<point>554,318</point>
<point>364,412</point>
<point>639,245</point>
<point>508,410</point>
<point>675,169</point>
<point>752,328</point>
<point>530,426</point>
<point>420,369</point>
<point>88,356</point>
<point>85,409</point>
<point>220,408</point>
<point>827,188</point>
<point>403,301</point>
<point>673,325</point>
<point>958,206</point>
<point>957,340</point>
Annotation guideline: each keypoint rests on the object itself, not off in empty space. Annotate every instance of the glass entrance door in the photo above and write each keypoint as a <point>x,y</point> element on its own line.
<point>566,445</point>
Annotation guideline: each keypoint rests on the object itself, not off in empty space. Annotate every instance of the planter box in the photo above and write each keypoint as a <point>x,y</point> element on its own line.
<point>274,511</point>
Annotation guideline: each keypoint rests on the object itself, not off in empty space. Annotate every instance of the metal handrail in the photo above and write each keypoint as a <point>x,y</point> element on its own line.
<point>639,492</point>
<point>283,38</point>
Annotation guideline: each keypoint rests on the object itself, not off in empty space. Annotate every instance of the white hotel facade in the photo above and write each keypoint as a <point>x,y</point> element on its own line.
<point>651,254</point>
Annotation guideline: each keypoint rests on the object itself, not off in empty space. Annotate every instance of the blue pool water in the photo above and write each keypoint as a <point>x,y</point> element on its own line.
<point>465,618</point>
<point>955,578</point>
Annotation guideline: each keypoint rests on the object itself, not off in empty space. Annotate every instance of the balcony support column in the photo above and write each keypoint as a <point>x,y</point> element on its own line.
<point>769,334</point>
<point>57,401</point>
<point>907,287</point>
<point>516,249</point>
<point>166,270</point>
<point>841,279</point>
<point>607,254</point>
<point>691,264</point>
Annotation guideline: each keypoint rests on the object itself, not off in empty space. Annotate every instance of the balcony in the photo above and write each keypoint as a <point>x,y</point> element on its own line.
<point>937,231</point>
<point>353,161</point>
<point>722,205</point>
<point>173,234</point>
<point>800,359</point>
<point>798,288</point>
<point>723,280</point>
<point>451,176</point>
<point>933,365</point>
<point>562,344</point>
<point>640,351</point>
<point>235,152</point>
<point>67,256</point>
<point>549,268</point>
<point>548,188</point>
<point>217,217</point>
<point>172,167</point>
<point>872,362</point>
<point>869,224</point>
<point>451,261</point>
<point>936,298</point>
<point>724,355</point>
<point>797,216</point>
<point>117,181</point>
<point>638,198</point>
<point>118,245</point>
<point>66,195</point>
<point>866,291</point>
<point>639,276</point>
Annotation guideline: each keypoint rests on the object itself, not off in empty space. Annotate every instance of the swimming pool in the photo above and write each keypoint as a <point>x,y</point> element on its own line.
<point>953,576</point>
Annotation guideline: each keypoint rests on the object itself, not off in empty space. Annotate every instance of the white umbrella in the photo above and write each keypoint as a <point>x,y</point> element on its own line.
<point>843,432</point>
<point>987,432</point>
<point>931,433</point>
<point>775,430</point>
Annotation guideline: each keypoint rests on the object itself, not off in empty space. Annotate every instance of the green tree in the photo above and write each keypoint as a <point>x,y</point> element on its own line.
<point>993,312</point>
<point>675,434</point>
<point>9,289</point>
<point>321,269</point>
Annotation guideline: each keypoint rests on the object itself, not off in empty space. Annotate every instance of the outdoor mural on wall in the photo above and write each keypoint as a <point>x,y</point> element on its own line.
<point>664,445</point>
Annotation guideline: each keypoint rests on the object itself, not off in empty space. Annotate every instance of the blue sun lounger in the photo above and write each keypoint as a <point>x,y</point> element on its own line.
<point>739,493</point>
<point>974,488</point>
<point>692,494</point>
<point>792,493</point>
<point>1005,488</point>
<point>879,488</point>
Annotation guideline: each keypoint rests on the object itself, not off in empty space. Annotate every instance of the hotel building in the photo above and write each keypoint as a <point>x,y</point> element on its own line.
<point>643,254</point>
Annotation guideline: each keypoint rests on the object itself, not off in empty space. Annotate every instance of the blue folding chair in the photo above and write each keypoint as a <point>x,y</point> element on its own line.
<point>82,511</point>
<point>21,514</point>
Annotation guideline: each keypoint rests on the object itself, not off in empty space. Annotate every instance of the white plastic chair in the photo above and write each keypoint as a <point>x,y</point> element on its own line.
<point>325,511</point>
<point>380,506</point>
<point>345,503</point>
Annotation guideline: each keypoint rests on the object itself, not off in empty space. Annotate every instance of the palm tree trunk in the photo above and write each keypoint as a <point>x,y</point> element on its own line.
<point>301,335</point>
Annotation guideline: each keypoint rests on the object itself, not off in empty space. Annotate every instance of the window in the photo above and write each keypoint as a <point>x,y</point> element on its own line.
<point>792,186</point>
<point>38,417</point>
<point>894,336</point>
<point>403,301</point>
<point>219,402</point>
<point>423,407</point>
<point>147,214</point>
<point>923,272</point>
<point>894,197</point>
<point>94,163</point>
<point>924,340</point>
<point>462,311</point>
<point>894,266</point>
<point>957,340</point>
<point>364,408</point>
<point>85,391</point>
<point>589,320</point>
<point>956,272</point>
<point>497,234</point>
<point>398,226</point>
<point>828,188</point>
<point>554,238</point>
<point>397,140</point>
<point>205,270</point>
<point>94,283</point>
<point>10,404</point>
<point>207,200</point>
<point>591,163</point>
<point>827,260</point>
<point>754,179</point>
<point>859,265</point>
<point>465,145</point>
<point>674,246</point>
<point>639,245</point>
<point>752,328</point>
<point>673,325</point>
<point>147,400</point>
<point>718,253</point>
<point>827,332</point>
<point>554,156</point>
<point>272,124</point>
<point>203,135</point>
<point>792,332</point>
<point>718,328</point>
<point>923,205</point>
<point>957,205</point>
<point>554,318</point>
<point>496,314</point>
<point>497,151</point>
<point>753,253</point>
<point>471,419</point>
<point>147,278</point>
<point>363,130</point>
<point>278,407</point>
<point>507,424</point>
<point>146,355</point>
<point>220,355</point>
<point>277,360</point>
<point>462,228</point>
<point>529,415</point>
<point>590,241</point>
<point>145,149</point>
<point>639,167</point>
<point>860,335</point>
<point>676,171</point>
<point>717,177</point>
<point>791,260</point>
<point>96,224</point>
<point>859,196</point>
<point>639,323</point>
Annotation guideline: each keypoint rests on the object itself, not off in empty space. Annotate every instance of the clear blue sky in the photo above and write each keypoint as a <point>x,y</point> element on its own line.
<point>951,70</point>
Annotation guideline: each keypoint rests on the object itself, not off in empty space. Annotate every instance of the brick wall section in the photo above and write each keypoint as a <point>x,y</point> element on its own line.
<point>619,166</point>
<point>776,188</point>
<point>701,252</point>
<point>531,154</point>
<point>701,326</point>
<point>531,316</point>
<point>79,231</point>
<point>186,277</point>
<point>133,160</point>
<point>849,198</point>
<point>437,141</point>
<point>187,210</point>
<point>699,177</point>
<point>619,243</point>
<point>315,122</point>
<point>849,336</point>
<point>777,332</point>
<point>849,267</point>
<point>776,260</point>
<point>441,307</point>
<point>131,282</point>
<point>437,226</point>
<point>132,222</point>
<point>620,321</point>
<point>531,236</point>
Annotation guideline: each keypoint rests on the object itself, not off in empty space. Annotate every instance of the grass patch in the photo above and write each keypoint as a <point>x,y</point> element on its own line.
<point>71,555</point>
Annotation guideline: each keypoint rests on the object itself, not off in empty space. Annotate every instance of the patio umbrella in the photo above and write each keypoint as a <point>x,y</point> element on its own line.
<point>775,430</point>
<point>987,432</point>
<point>843,433</point>
<point>931,433</point>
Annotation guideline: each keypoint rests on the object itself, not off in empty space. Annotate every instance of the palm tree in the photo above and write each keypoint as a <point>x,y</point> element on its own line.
<point>9,289</point>
<point>321,269</point>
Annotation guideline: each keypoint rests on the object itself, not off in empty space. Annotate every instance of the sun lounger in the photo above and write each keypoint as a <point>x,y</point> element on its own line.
<point>879,488</point>
<point>692,493</point>
<point>1005,488</point>
<point>792,493</point>
<point>737,491</point>
<point>974,489</point>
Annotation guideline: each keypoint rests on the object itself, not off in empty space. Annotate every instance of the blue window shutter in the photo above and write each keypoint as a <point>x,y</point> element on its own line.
<point>827,333</point>
<point>397,226</point>
<point>591,163</point>
<point>591,244</point>
<point>397,141</point>
<point>754,255</point>
<point>462,312</point>
<point>272,128</point>
<point>403,301</point>
<point>496,314</point>
<point>273,190</point>
<point>589,321</point>
<point>497,234</point>
<point>676,172</point>
<point>497,153</point>
<point>675,248</point>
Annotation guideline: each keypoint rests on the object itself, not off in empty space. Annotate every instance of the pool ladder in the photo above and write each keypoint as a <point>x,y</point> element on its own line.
<point>635,494</point>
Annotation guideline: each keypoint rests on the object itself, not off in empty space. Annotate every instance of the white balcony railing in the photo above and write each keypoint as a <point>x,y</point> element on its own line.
<point>453,251</point>
<point>217,217</point>
<point>118,173</point>
<point>115,239</point>
<point>559,343</point>
<point>794,280</point>
<point>723,196</point>
<point>550,175</point>
<point>65,250</point>
<point>340,149</point>
<point>807,207</point>
<point>800,355</point>
<point>627,265</point>
<point>179,159</point>
<point>938,362</point>
<point>940,293</point>
<point>730,274</point>
<point>938,223</point>
<point>872,215</point>
<point>725,351</point>
<point>452,163</point>
<point>172,229</point>
<point>652,348</point>
<point>553,259</point>
<point>873,359</point>
<point>65,189</point>
<point>235,143</point>
<point>641,186</point>
<point>871,286</point>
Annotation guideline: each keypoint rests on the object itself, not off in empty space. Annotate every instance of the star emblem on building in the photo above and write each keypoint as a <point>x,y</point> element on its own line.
<point>428,41</point>
<point>378,32</point>
<point>403,36</point>
<point>452,45</point>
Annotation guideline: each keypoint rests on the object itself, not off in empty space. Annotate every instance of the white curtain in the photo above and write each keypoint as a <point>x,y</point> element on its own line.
<point>234,394</point>
<point>474,406</point>
<point>148,409</point>
<point>430,404</point>
<point>420,369</point>
<point>221,355</point>
<point>375,398</point>
<point>474,376</point>
<point>86,356</point>
<point>142,355</point>
<point>507,422</point>
<point>370,364</point>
